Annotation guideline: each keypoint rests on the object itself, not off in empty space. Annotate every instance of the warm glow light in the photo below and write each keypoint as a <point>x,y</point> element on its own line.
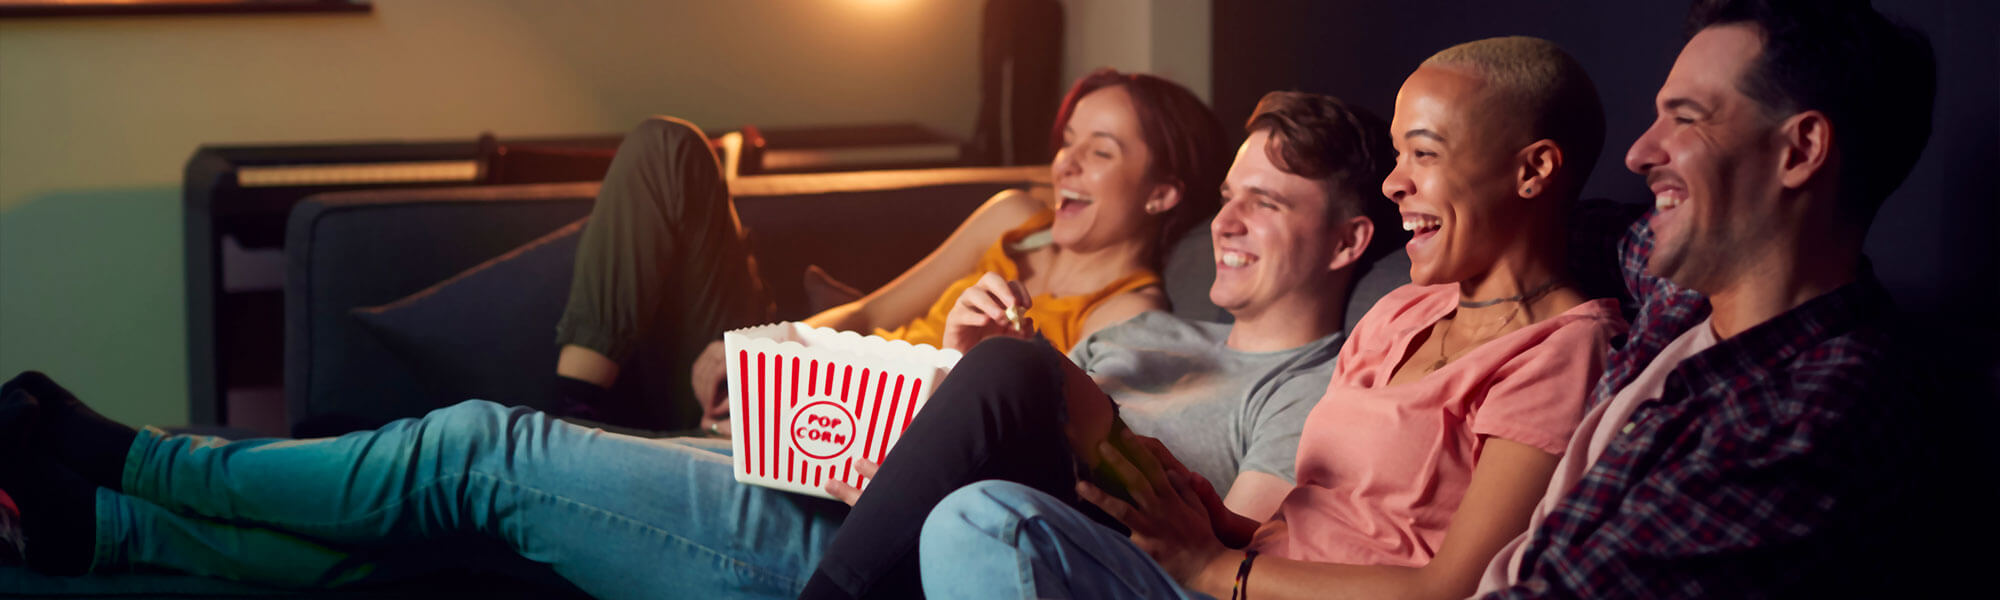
<point>878,4</point>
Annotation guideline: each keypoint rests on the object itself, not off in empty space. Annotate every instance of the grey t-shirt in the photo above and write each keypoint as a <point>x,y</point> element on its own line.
<point>1221,411</point>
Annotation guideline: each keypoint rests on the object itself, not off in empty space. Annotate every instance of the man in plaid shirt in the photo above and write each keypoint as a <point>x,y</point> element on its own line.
<point>1755,434</point>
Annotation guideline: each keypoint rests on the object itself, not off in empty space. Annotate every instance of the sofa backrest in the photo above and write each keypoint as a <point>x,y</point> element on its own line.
<point>862,228</point>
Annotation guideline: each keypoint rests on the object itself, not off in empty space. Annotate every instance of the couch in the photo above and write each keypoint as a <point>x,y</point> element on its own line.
<point>398,302</point>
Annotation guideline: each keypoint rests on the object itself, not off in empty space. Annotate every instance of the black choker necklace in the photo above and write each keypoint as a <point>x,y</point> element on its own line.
<point>1521,297</point>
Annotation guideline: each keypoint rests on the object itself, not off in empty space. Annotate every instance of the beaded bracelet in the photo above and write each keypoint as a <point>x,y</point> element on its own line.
<point>1241,591</point>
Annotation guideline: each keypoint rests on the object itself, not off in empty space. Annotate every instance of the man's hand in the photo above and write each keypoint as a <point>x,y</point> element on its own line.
<point>847,493</point>
<point>711,368</point>
<point>1168,515</point>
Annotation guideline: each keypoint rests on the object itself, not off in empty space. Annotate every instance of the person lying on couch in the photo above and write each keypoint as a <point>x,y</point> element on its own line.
<point>1297,230</point>
<point>622,516</point>
<point>1450,404</point>
<point>662,268</point>
<point>1762,433</point>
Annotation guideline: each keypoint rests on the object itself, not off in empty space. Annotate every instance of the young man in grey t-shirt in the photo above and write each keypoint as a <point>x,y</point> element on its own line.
<point>1231,399</point>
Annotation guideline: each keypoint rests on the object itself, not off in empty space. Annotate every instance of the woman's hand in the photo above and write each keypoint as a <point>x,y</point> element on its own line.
<point>710,368</point>
<point>847,493</point>
<point>981,312</point>
<point>1169,516</point>
<point>1233,530</point>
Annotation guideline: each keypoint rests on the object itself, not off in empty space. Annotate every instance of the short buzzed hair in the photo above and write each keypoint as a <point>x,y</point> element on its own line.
<point>1544,83</point>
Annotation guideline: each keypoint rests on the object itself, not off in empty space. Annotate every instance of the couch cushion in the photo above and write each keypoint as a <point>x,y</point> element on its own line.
<point>824,292</point>
<point>1189,271</point>
<point>1389,272</point>
<point>487,332</point>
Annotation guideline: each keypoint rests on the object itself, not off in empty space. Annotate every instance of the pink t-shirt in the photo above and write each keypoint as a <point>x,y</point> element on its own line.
<point>1381,469</point>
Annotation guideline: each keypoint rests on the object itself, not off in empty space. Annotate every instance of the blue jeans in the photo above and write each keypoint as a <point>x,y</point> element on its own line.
<point>996,539</point>
<point>617,516</point>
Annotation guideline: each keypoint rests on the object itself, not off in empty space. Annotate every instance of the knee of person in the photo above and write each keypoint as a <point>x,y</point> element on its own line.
<point>1003,349</point>
<point>1013,362</point>
<point>671,130</point>
<point>983,504</point>
<point>466,424</point>
<point>951,523</point>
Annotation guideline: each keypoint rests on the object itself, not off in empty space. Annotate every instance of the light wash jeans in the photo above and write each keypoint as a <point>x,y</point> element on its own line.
<point>618,516</point>
<point>998,539</point>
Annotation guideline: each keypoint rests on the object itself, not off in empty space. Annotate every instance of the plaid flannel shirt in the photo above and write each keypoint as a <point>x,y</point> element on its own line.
<point>1767,458</point>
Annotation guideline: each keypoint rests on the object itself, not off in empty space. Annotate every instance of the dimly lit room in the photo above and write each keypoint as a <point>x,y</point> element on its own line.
<point>1149,298</point>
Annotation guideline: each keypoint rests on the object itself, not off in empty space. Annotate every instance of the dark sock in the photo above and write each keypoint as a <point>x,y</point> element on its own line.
<point>86,442</point>
<point>581,399</point>
<point>18,412</point>
<point>57,508</point>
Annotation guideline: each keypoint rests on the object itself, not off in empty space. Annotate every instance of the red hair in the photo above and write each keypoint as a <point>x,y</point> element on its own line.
<point>1181,135</point>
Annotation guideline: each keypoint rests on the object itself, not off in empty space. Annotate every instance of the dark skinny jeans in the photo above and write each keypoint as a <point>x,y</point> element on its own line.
<point>1000,415</point>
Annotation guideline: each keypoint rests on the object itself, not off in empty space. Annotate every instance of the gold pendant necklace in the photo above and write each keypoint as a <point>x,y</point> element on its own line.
<point>1444,357</point>
<point>1441,333</point>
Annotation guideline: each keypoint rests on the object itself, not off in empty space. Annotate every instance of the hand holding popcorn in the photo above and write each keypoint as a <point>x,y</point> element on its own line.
<point>992,306</point>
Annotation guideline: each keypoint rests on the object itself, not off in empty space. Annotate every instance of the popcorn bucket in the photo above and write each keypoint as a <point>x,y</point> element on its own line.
<point>808,401</point>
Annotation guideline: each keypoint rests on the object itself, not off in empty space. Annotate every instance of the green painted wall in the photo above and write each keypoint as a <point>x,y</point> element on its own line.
<point>90,290</point>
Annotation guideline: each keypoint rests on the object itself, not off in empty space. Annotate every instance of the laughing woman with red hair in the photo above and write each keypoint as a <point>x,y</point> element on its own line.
<point>661,271</point>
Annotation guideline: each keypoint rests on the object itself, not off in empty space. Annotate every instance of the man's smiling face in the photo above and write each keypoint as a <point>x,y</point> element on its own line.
<point>1273,236</point>
<point>1711,159</point>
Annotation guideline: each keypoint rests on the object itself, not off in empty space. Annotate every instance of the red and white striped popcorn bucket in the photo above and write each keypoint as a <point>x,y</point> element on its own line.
<point>808,401</point>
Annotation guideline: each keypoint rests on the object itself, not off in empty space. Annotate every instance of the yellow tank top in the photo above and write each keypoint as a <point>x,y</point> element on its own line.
<point>1060,319</point>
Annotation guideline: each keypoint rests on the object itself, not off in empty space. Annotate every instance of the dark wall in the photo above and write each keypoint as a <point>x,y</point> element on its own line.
<point>1935,243</point>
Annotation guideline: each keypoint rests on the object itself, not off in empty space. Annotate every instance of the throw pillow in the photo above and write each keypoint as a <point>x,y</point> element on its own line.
<point>824,292</point>
<point>488,332</point>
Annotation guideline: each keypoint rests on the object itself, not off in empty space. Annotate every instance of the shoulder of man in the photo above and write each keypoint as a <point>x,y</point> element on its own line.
<point>1872,371</point>
<point>1837,393</point>
<point>1150,325</point>
<point>1294,386</point>
<point>1149,328</point>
